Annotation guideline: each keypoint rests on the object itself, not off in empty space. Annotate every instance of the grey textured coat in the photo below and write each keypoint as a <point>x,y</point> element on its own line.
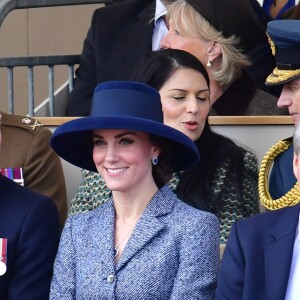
<point>173,253</point>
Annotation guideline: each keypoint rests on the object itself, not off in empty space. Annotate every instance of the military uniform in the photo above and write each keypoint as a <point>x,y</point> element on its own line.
<point>281,188</point>
<point>25,144</point>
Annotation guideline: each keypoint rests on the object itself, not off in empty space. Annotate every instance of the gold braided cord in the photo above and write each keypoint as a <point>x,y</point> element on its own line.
<point>289,199</point>
<point>281,75</point>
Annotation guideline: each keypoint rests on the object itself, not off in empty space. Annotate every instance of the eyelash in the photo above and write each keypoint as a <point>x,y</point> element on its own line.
<point>98,142</point>
<point>123,141</point>
<point>126,141</point>
<point>202,99</point>
<point>183,97</point>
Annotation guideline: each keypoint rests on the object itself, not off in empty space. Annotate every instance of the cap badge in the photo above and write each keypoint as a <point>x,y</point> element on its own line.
<point>26,121</point>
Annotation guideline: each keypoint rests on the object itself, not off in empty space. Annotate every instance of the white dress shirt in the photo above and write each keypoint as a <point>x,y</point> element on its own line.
<point>293,289</point>
<point>160,29</point>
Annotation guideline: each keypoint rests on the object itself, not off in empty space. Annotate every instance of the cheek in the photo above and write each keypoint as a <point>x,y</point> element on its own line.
<point>97,156</point>
<point>170,110</point>
<point>196,50</point>
<point>296,99</point>
<point>203,109</point>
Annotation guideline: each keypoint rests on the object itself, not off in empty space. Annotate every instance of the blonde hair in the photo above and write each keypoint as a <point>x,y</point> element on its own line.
<point>190,22</point>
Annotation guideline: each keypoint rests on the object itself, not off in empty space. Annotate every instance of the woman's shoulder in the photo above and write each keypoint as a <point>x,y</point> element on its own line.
<point>88,217</point>
<point>183,211</point>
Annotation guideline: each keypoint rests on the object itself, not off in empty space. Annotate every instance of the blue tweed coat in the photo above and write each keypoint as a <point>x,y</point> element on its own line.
<point>173,253</point>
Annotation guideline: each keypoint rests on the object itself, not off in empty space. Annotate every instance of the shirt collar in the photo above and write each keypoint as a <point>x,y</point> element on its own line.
<point>160,10</point>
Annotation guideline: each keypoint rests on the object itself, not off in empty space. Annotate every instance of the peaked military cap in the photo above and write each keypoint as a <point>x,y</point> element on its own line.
<point>284,38</point>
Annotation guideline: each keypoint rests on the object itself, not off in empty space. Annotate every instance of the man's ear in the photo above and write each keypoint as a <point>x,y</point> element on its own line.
<point>213,51</point>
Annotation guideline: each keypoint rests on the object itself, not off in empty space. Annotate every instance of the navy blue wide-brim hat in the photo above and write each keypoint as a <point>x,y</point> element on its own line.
<point>121,105</point>
<point>284,38</point>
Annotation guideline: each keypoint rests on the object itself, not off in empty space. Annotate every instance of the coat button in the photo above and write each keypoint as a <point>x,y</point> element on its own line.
<point>110,278</point>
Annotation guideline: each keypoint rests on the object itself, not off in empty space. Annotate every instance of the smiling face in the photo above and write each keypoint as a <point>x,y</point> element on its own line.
<point>123,158</point>
<point>290,98</point>
<point>185,102</point>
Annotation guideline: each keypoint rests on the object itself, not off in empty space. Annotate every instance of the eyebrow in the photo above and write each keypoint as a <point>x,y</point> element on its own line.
<point>182,90</point>
<point>117,136</point>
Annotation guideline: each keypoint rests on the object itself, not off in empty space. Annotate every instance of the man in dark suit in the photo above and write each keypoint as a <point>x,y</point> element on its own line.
<point>285,37</point>
<point>262,255</point>
<point>29,237</point>
<point>120,35</point>
<point>257,259</point>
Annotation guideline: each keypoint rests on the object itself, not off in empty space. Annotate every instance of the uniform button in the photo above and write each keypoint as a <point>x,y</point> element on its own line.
<point>110,278</point>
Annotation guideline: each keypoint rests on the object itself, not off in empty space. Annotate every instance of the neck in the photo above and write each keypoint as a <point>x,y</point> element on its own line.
<point>131,204</point>
<point>216,91</point>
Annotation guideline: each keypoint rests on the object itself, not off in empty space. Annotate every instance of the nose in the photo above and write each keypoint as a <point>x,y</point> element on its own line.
<point>165,42</point>
<point>284,100</point>
<point>111,154</point>
<point>192,106</point>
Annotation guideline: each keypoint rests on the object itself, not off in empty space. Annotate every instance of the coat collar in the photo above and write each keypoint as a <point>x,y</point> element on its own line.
<point>278,254</point>
<point>148,226</point>
<point>235,100</point>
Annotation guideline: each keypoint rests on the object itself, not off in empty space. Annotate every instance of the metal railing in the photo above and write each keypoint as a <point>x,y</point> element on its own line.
<point>30,62</point>
<point>10,63</point>
<point>7,6</point>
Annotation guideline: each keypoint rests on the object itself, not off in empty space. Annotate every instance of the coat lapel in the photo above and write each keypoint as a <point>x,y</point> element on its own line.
<point>104,237</point>
<point>140,36</point>
<point>278,254</point>
<point>148,226</point>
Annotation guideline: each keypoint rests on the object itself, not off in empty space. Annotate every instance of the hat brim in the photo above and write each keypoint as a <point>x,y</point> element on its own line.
<point>282,76</point>
<point>73,141</point>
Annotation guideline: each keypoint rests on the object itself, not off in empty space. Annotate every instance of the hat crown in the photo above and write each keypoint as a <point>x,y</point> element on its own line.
<point>127,99</point>
<point>285,33</point>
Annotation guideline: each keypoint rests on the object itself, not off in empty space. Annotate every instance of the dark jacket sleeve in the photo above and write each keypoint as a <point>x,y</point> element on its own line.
<point>79,101</point>
<point>36,249</point>
<point>231,275</point>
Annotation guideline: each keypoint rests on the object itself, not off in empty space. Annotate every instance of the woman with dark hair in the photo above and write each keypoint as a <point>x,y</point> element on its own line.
<point>224,181</point>
<point>143,243</point>
<point>219,33</point>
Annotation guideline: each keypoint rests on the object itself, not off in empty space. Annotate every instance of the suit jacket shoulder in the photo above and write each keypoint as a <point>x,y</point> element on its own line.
<point>27,124</point>
<point>257,258</point>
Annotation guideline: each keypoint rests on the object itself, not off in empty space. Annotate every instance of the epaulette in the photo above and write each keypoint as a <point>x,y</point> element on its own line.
<point>290,198</point>
<point>23,122</point>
